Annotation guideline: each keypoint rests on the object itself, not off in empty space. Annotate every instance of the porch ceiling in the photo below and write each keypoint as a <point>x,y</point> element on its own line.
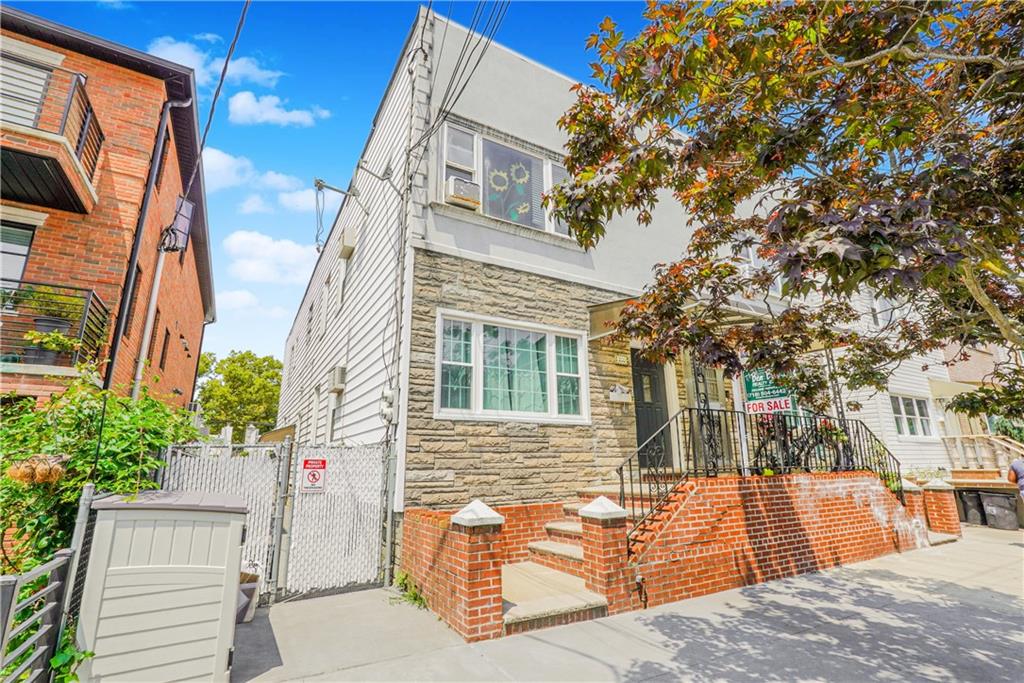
<point>738,312</point>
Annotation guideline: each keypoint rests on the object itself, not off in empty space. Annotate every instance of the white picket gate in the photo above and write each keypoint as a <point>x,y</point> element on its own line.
<point>302,540</point>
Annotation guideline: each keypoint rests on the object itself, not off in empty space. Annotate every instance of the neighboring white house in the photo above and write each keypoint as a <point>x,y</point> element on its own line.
<point>471,337</point>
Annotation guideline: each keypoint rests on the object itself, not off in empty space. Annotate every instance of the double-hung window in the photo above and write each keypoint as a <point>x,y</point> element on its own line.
<point>15,242</point>
<point>512,182</point>
<point>911,415</point>
<point>750,261</point>
<point>506,370</point>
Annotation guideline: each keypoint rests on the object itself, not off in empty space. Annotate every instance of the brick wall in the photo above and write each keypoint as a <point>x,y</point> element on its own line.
<point>525,524</point>
<point>940,508</point>
<point>457,569</point>
<point>729,532</point>
<point>92,250</point>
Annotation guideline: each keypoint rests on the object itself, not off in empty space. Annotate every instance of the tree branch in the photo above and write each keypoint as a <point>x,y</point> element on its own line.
<point>1009,331</point>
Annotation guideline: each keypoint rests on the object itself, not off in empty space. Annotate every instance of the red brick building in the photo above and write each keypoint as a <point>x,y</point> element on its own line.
<point>98,144</point>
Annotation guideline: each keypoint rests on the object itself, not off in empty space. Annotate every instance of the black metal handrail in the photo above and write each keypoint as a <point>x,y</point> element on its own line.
<point>699,442</point>
<point>74,312</point>
<point>55,100</point>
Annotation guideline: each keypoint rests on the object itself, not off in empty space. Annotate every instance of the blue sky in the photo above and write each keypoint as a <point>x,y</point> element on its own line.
<point>302,89</point>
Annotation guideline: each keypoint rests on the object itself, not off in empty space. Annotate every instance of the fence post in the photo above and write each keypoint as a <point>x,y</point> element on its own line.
<point>284,475</point>
<point>77,537</point>
<point>8,595</point>
<point>54,619</point>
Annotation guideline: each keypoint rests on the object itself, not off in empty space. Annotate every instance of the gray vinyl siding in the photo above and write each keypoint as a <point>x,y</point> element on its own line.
<point>361,334</point>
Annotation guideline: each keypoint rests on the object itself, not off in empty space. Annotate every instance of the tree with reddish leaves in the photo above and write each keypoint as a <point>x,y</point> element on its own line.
<point>858,150</point>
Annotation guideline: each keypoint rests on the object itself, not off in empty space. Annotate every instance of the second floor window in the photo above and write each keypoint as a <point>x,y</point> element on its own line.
<point>15,241</point>
<point>511,181</point>
<point>911,415</point>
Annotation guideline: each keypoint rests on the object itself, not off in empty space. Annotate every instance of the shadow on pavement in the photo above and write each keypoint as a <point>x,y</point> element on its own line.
<point>256,649</point>
<point>838,627</point>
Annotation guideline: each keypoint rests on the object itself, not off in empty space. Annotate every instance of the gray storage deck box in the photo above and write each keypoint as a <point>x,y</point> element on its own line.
<point>162,587</point>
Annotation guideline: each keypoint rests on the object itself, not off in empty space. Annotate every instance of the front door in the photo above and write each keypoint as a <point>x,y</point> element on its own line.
<point>651,404</point>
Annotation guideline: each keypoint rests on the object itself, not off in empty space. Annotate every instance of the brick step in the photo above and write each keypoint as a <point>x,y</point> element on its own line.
<point>563,557</point>
<point>565,531</point>
<point>536,596</point>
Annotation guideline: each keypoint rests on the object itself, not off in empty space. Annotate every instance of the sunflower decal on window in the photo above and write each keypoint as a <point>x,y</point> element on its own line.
<point>512,187</point>
<point>498,180</point>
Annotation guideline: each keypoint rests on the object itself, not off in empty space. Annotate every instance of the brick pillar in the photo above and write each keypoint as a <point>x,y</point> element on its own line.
<point>913,497</point>
<point>604,552</point>
<point>478,536</point>
<point>940,507</point>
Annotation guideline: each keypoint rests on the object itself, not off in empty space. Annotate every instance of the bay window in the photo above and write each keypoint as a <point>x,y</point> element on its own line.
<point>506,370</point>
<point>511,181</point>
<point>911,416</point>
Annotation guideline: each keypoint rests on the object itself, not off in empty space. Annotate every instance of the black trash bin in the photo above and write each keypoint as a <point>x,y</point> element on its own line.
<point>1000,510</point>
<point>974,512</point>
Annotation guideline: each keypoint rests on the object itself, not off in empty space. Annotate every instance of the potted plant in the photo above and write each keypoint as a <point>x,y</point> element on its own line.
<point>54,311</point>
<point>46,346</point>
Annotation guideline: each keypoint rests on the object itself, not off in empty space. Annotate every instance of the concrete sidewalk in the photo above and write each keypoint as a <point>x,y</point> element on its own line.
<point>948,613</point>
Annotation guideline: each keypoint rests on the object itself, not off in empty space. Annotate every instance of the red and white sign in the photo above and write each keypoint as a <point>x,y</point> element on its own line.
<point>771,405</point>
<point>314,473</point>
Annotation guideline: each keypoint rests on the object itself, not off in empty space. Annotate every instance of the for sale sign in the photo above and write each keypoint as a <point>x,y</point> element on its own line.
<point>763,395</point>
<point>314,474</point>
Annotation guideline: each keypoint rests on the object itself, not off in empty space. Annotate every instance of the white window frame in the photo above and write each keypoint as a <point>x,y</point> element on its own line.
<point>334,426</point>
<point>477,173</point>
<point>749,260</point>
<point>476,411</point>
<point>896,417</point>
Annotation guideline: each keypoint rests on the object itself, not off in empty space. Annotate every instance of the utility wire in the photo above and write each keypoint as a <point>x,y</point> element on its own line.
<point>209,118</point>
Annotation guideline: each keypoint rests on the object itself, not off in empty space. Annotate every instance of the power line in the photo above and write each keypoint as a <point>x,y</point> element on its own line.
<point>209,118</point>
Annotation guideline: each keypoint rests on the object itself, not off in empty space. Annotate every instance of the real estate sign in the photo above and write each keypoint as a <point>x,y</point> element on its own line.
<point>763,395</point>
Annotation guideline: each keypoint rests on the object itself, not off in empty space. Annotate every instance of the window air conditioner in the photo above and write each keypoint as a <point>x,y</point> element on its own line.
<point>462,192</point>
<point>338,374</point>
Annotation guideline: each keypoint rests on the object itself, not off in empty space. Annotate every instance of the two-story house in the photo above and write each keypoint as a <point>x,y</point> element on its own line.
<point>98,143</point>
<point>452,317</point>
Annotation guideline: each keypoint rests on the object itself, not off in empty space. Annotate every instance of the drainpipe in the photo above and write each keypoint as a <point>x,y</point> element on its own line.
<point>128,290</point>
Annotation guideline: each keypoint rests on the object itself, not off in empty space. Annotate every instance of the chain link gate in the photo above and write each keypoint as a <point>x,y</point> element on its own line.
<point>300,542</point>
<point>334,535</point>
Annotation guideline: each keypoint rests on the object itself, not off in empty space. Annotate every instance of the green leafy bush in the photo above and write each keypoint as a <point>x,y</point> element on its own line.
<point>66,429</point>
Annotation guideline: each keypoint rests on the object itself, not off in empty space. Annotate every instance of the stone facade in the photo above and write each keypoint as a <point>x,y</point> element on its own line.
<point>451,462</point>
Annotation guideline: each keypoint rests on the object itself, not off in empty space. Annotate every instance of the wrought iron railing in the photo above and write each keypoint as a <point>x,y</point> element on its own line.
<point>699,442</point>
<point>53,100</point>
<point>76,313</point>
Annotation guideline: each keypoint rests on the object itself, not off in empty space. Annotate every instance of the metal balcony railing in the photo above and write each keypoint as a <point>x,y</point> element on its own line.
<point>698,442</point>
<point>76,313</point>
<point>54,100</point>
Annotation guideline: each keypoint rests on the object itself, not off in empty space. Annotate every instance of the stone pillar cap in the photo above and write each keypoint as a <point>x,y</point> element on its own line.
<point>477,513</point>
<point>602,508</point>
<point>938,485</point>
<point>909,485</point>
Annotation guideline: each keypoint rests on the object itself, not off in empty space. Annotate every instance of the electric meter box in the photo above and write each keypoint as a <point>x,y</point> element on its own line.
<point>161,587</point>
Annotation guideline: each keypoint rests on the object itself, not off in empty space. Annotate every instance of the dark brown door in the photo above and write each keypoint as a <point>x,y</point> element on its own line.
<point>651,405</point>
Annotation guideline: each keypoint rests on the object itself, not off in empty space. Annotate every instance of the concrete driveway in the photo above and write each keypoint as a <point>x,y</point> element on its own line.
<point>949,613</point>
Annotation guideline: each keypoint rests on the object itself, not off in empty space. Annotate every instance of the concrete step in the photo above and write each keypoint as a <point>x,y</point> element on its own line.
<point>572,510</point>
<point>563,550</point>
<point>535,596</point>
<point>565,531</point>
<point>564,557</point>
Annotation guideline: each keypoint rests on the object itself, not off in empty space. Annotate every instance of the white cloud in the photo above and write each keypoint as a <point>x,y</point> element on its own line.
<point>187,54</point>
<point>245,302</point>
<point>221,170</point>
<point>235,299</point>
<point>305,200</point>
<point>256,257</point>
<point>279,181</point>
<point>207,67</point>
<point>254,204</point>
<point>208,37</point>
<point>246,108</point>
